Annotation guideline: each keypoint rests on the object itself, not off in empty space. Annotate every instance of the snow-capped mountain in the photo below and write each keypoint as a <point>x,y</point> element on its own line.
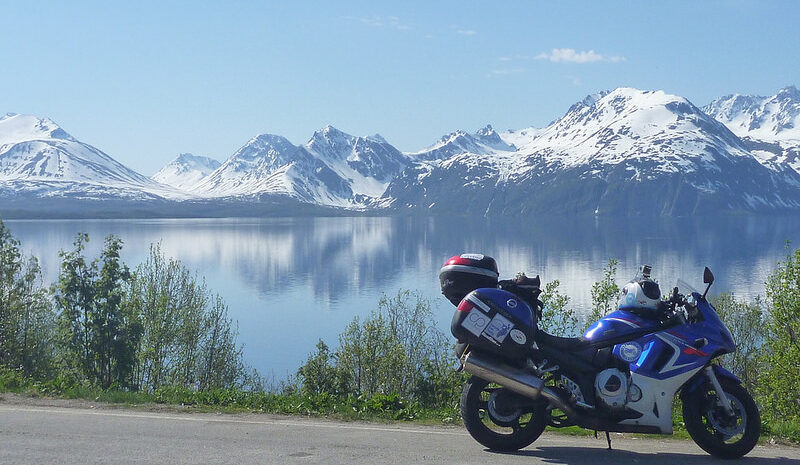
<point>484,142</point>
<point>271,165</point>
<point>774,118</point>
<point>626,151</point>
<point>520,137</point>
<point>332,168</point>
<point>367,164</point>
<point>185,171</point>
<point>623,152</point>
<point>39,159</point>
<point>770,126</point>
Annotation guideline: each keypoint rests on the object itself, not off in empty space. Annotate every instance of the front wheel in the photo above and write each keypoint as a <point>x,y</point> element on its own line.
<point>713,429</point>
<point>501,419</point>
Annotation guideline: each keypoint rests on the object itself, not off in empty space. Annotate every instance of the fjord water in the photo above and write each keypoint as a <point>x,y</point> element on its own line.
<point>291,281</point>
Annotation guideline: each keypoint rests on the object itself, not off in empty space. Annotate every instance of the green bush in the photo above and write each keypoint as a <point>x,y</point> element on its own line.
<point>779,385</point>
<point>395,353</point>
<point>557,318</point>
<point>27,338</point>
<point>746,321</point>
<point>604,293</point>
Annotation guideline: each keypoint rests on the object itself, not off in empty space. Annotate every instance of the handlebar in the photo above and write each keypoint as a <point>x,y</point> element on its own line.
<point>679,300</point>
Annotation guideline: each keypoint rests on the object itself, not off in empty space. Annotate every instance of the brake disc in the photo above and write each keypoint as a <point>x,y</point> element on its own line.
<point>726,426</point>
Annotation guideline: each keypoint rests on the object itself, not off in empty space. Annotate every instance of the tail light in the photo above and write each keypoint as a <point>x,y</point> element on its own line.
<point>465,306</point>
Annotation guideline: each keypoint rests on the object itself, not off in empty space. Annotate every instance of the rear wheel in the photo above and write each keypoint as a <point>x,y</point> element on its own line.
<point>501,419</point>
<point>713,429</point>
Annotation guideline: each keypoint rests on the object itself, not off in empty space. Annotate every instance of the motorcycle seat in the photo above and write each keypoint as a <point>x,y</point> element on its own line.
<point>569,344</point>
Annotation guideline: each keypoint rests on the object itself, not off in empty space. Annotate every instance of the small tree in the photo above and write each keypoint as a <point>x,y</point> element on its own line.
<point>557,319</point>
<point>746,322</point>
<point>604,293</point>
<point>98,333</point>
<point>74,297</point>
<point>220,359</point>
<point>187,339</point>
<point>115,329</point>
<point>319,374</point>
<point>780,370</point>
<point>26,314</point>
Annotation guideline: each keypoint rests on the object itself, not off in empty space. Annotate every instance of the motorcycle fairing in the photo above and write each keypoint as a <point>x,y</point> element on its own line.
<point>671,358</point>
<point>719,371</point>
<point>656,402</point>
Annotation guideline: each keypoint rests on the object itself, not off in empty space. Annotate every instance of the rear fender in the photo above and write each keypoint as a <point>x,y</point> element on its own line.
<point>700,379</point>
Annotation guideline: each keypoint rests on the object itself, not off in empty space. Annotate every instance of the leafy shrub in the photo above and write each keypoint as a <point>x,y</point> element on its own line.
<point>396,351</point>
<point>557,318</point>
<point>604,293</point>
<point>746,321</point>
<point>779,384</point>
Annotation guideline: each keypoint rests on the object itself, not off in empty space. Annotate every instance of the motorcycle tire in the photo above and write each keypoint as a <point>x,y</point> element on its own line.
<point>511,433</point>
<point>706,422</point>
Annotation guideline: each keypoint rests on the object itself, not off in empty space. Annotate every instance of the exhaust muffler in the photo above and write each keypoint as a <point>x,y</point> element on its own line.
<point>520,381</point>
<point>514,379</point>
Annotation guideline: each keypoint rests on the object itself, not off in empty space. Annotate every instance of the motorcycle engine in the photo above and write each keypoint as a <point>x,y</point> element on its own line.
<point>611,387</point>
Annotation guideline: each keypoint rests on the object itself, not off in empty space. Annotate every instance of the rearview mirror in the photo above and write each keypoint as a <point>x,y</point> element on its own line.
<point>708,276</point>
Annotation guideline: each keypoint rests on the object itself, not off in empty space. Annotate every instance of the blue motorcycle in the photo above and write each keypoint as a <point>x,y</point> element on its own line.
<point>622,375</point>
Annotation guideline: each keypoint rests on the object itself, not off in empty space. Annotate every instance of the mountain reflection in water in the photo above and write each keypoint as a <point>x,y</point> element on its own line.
<point>291,281</point>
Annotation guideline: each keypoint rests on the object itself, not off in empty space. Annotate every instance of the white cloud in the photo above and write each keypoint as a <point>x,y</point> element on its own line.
<point>381,21</point>
<point>466,32</point>
<point>505,71</point>
<point>570,55</point>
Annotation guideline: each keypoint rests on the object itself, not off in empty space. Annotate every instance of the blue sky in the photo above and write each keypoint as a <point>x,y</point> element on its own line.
<point>145,81</point>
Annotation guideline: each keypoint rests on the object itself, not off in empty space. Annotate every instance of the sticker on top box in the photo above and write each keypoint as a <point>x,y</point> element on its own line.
<point>498,328</point>
<point>476,322</point>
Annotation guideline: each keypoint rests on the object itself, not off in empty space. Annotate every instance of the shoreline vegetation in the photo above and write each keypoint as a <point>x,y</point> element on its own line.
<point>155,334</point>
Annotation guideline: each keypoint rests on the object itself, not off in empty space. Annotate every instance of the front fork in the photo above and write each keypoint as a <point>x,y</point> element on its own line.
<point>723,398</point>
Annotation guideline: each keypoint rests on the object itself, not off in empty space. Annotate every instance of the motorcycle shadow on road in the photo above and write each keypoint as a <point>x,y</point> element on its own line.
<point>596,456</point>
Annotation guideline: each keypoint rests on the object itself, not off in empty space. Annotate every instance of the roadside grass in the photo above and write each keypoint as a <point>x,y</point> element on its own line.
<point>378,408</point>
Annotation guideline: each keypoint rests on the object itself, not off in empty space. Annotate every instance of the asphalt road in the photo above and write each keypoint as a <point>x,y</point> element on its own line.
<point>55,435</point>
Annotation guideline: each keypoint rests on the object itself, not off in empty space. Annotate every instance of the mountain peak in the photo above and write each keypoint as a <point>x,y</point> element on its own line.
<point>185,157</point>
<point>487,130</point>
<point>488,136</point>
<point>272,140</point>
<point>789,92</point>
<point>185,171</point>
<point>772,119</point>
<point>330,132</point>
<point>15,128</point>
<point>377,138</point>
<point>190,158</point>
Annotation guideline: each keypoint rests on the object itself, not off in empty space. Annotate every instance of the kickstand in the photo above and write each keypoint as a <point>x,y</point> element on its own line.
<point>608,438</point>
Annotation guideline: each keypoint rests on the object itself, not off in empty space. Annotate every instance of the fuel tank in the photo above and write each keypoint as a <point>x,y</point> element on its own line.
<point>618,324</point>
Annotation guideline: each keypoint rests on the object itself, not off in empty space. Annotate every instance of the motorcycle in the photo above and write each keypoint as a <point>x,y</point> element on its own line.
<point>622,375</point>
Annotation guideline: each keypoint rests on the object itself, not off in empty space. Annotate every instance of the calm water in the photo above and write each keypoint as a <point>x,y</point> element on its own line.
<point>291,281</point>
